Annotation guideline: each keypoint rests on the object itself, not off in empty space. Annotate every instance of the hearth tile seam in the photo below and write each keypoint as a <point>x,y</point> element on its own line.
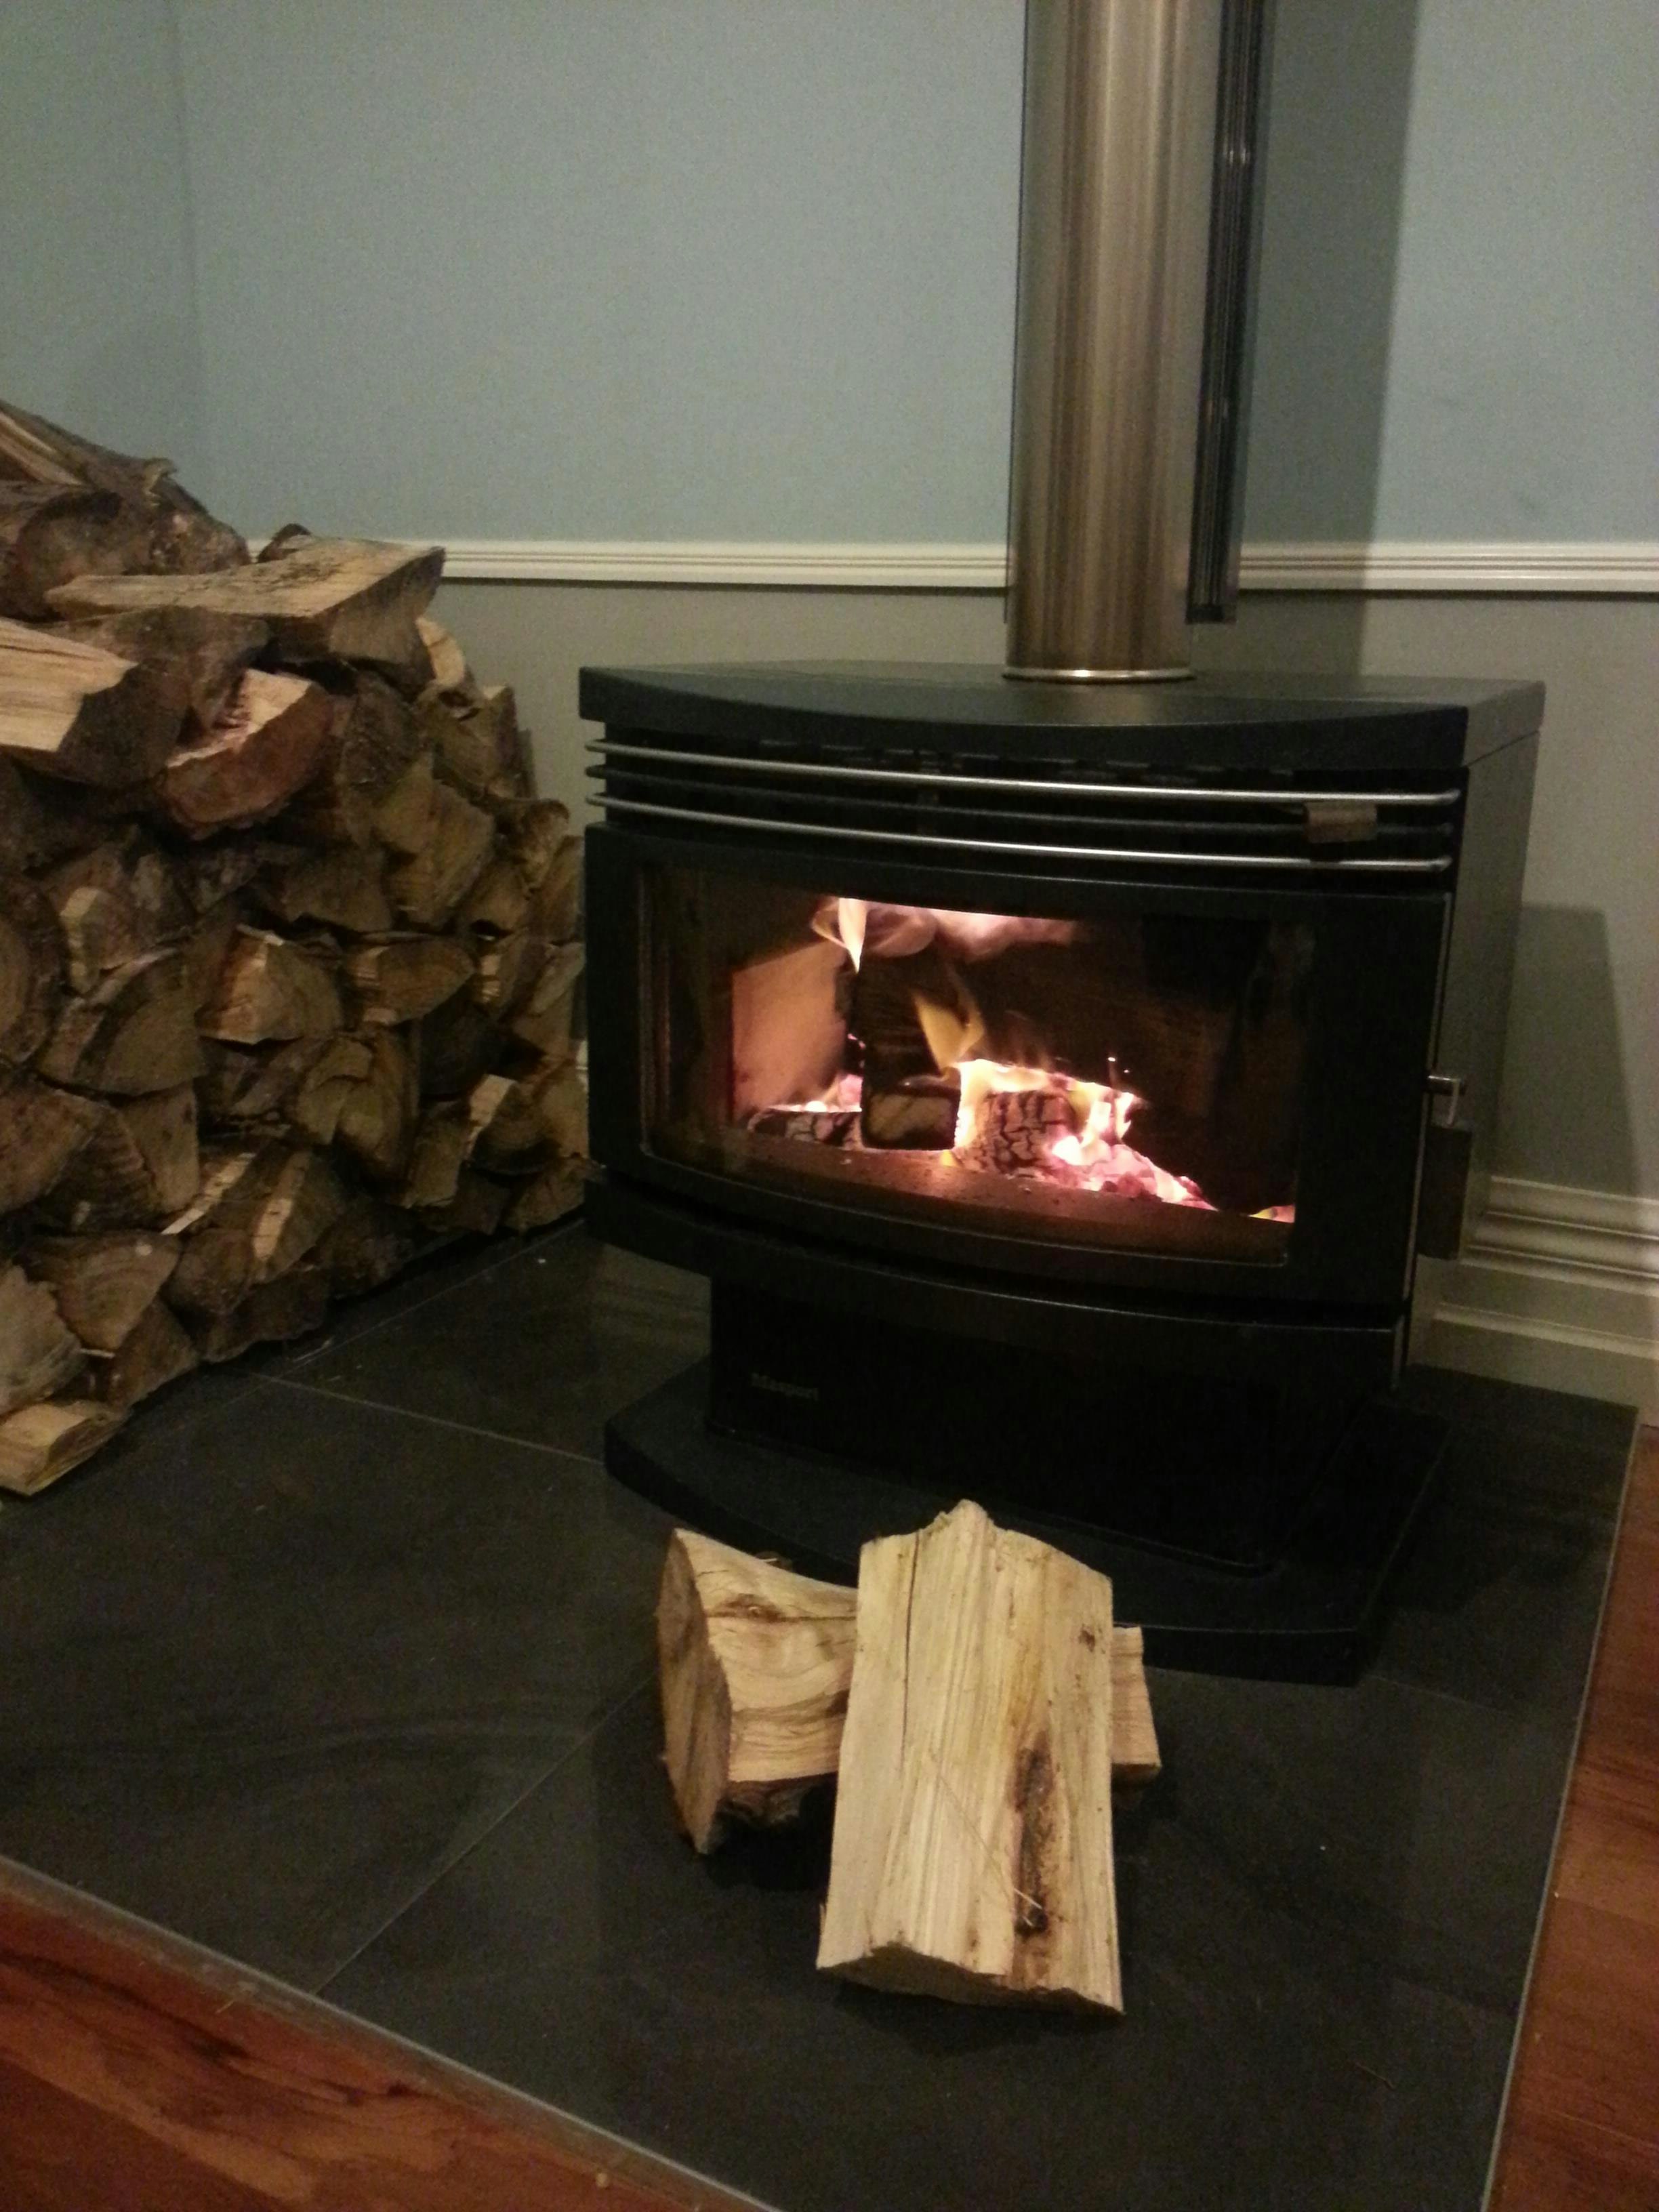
<point>556,1233</point>
<point>435,1420</point>
<point>639,1688</point>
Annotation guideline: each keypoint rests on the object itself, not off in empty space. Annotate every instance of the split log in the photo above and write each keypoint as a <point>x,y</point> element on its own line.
<point>457,840</point>
<point>497,903</point>
<point>344,886</point>
<point>446,1140</point>
<point>376,1123</point>
<point>38,1353</point>
<point>550,858</point>
<point>754,1665</point>
<point>138,1165</point>
<point>447,662</point>
<point>103,1285</point>
<point>547,1197</point>
<point>478,1208</point>
<point>972,1855</point>
<point>134,1033</point>
<point>157,1351</point>
<point>42,1130</point>
<point>116,902</point>
<point>201,655</point>
<point>328,598</point>
<point>508,970</point>
<point>50,532</point>
<point>205,951</point>
<point>266,745</point>
<point>273,1313</point>
<point>182,534</point>
<point>561,1101</point>
<point>330,1071</point>
<point>404,977</point>
<point>481,748</point>
<point>458,1043</point>
<point>372,1242</point>
<point>259,1214</point>
<point>378,739</point>
<point>40,1443</point>
<point>74,711</point>
<point>548,1017</point>
<point>402,820</point>
<point>268,989</point>
<point>32,962</point>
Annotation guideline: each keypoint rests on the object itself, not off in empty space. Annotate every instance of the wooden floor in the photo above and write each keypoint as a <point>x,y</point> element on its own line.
<point>1582,2129</point>
<point>138,2073</point>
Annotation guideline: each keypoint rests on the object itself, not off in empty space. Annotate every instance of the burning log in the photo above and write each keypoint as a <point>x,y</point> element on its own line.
<point>972,1856</point>
<point>754,1664</point>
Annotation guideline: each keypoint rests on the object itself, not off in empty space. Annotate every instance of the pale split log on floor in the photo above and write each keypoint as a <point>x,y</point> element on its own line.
<point>72,710</point>
<point>328,598</point>
<point>40,1443</point>
<point>267,743</point>
<point>972,1854</point>
<point>38,1353</point>
<point>750,1732</point>
<point>134,1033</point>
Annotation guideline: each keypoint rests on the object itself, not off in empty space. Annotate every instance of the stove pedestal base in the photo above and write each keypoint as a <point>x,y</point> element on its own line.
<point>1315,1616</point>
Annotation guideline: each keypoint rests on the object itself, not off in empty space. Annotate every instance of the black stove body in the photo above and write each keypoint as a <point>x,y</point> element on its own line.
<point>1058,1084</point>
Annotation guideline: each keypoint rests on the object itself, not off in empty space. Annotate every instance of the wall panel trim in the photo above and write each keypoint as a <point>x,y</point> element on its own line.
<point>1495,569</point>
<point>1559,1287</point>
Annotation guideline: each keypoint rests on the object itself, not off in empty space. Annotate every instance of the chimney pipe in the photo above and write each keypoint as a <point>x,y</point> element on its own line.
<point>1137,217</point>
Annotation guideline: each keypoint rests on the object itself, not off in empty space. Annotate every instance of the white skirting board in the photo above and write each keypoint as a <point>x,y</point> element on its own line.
<point>1495,568</point>
<point>1557,1288</point>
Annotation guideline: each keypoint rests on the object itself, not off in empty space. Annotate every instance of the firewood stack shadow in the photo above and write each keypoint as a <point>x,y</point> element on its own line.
<point>291,957</point>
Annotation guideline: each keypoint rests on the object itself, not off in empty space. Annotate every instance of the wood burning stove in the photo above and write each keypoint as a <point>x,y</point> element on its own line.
<point>1058,1071</point>
<point>1046,1076</point>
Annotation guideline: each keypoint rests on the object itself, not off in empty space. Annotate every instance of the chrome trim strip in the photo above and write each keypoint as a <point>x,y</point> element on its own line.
<point>1035,852</point>
<point>1036,785</point>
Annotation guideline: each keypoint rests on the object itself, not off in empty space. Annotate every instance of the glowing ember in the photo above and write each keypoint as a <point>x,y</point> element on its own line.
<point>1029,1122</point>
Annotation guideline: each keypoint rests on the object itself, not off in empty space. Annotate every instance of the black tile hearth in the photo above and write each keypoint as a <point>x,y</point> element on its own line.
<point>343,1668</point>
<point>268,1676</point>
<point>546,1347</point>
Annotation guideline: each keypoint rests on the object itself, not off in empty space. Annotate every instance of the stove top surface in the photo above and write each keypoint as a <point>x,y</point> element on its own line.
<point>1401,727</point>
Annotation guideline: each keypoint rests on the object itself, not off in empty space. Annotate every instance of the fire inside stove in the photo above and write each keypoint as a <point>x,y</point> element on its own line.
<point>1101,1074</point>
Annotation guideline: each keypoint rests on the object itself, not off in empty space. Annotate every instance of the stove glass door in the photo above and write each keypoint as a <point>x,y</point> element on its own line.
<point>1132,1079</point>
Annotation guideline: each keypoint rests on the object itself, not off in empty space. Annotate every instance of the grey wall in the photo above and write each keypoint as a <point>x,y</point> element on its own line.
<point>98,325</point>
<point>715,269</point>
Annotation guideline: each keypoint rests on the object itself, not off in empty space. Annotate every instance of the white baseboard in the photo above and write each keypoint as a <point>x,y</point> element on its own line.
<point>1494,568</point>
<point>1558,1287</point>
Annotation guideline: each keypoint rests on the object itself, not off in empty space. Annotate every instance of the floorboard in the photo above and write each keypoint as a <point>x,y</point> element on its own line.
<point>1583,2124</point>
<point>138,2073</point>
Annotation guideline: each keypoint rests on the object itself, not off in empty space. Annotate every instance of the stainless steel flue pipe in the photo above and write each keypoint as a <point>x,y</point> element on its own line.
<point>1136,225</point>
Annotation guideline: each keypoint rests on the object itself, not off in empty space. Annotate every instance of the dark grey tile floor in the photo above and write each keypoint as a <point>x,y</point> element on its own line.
<point>340,1664</point>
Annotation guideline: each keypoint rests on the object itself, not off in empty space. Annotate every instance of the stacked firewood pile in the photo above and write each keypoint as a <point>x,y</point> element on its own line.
<point>289,952</point>
<point>975,1705</point>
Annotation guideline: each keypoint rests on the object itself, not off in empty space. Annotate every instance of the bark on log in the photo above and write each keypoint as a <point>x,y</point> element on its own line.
<point>498,904</point>
<point>547,1197</point>
<point>40,1443</point>
<point>42,1130</point>
<point>50,532</point>
<point>273,1313</point>
<point>138,1166</point>
<point>342,886</point>
<point>259,1215</point>
<point>376,1120</point>
<point>459,839</point>
<point>116,902</point>
<point>182,534</point>
<point>268,989</point>
<point>38,1353</point>
<point>548,1017</point>
<point>32,963</point>
<point>157,1351</point>
<point>134,1034</point>
<point>103,1285</point>
<point>330,599</point>
<point>458,1043</point>
<point>404,977</point>
<point>72,710</point>
<point>972,1856</point>
<point>200,655</point>
<point>372,1242</point>
<point>266,744</point>
<point>754,1664</point>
